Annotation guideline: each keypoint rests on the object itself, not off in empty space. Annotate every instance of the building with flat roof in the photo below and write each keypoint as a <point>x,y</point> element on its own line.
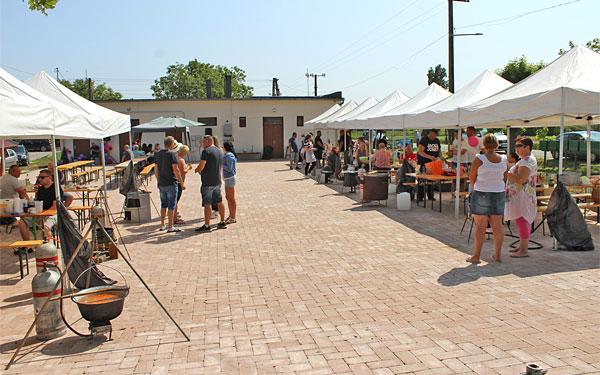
<point>250,123</point>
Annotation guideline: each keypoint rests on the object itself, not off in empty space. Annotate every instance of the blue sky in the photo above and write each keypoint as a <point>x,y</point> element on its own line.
<point>364,47</point>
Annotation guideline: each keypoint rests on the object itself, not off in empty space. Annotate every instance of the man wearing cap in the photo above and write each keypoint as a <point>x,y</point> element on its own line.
<point>429,150</point>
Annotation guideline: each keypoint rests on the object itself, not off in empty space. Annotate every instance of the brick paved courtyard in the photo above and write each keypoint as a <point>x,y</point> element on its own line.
<point>310,282</point>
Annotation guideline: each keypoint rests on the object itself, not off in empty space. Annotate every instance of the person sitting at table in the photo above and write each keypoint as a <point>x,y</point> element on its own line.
<point>61,175</point>
<point>333,161</point>
<point>361,152</point>
<point>126,154</point>
<point>137,153</point>
<point>403,178</point>
<point>11,188</point>
<point>410,155</point>
<point>382,158</point>
<point>46,194</point>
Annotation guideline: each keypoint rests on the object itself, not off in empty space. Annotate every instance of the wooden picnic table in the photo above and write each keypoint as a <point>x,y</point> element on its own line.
<point>569,187</point>
<point>434,178</point>
<point>582,196</point>
<point>123,165</point>
<point>18,245</point>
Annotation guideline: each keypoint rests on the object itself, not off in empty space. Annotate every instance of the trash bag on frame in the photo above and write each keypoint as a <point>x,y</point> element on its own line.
<point>69,239</point>
<point>566,222</point>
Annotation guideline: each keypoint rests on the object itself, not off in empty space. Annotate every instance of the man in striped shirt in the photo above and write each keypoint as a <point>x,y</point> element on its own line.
<point>382,158</point>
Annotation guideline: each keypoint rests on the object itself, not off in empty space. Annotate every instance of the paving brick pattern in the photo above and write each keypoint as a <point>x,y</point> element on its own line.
<point>311,282</point>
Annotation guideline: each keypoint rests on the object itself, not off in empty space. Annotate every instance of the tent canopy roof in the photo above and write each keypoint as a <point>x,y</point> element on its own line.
<point>570,85</point>
<point>165,123</point>
<point>393,100</point>
<point>328,112</point>
<point>446,112</point>
<point>365,105</point>
<point>347,107</point>
<point>107,122</point>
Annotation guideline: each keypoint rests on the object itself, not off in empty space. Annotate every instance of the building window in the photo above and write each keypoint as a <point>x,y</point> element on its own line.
<point>135,121</point>
<point>242,122</point>
<point>209,121</point>
<point>300,121</point>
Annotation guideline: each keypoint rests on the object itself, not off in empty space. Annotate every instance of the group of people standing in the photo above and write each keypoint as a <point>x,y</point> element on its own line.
<point>217,167</point>
<point>311,152</point>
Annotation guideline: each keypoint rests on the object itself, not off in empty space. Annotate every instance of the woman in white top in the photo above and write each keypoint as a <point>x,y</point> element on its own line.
<point>521,202</point>
<point>487,178</point>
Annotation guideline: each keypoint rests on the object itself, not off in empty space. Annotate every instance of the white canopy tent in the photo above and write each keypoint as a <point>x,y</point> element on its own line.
<point>322,124</point>
<point>393,100</point>
<point>365,105</point>
<point>446,113</point>
<point>106,122</point>
<point>394,118</point>
<point>565,92</point>
<point>334,108</point>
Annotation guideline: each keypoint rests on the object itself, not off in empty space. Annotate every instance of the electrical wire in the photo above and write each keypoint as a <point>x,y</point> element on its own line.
<point>397,66</point>
<point>504,20</point>
<point>18,70</point>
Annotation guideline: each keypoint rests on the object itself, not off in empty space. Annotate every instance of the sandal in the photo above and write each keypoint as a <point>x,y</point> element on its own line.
<point>230,220</point>
<point>519,255</point>
<point>514,250</point>
<point>474,261</point>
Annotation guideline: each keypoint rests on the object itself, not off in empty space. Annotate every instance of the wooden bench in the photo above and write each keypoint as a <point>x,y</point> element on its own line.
<point>80,212</point>
<point>146,173</point>
<point>76,176</point>
<point>110,174</point>
<point>583,206</point>
<point>18,245</point>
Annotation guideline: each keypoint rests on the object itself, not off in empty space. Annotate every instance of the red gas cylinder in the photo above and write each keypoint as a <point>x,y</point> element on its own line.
<point>46,253</point>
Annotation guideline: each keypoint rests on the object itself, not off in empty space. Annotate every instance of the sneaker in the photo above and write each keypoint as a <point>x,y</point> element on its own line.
<point>164,227</point>
<point>174,230</point>
<point>221,225</point>
<point>202,229</point>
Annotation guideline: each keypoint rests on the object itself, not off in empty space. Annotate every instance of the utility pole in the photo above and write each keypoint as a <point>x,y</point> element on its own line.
<point>451,36</point>
<point>315,76</point>
<point>56,71</point>
<point>90,90</point>
<point>275,90</point>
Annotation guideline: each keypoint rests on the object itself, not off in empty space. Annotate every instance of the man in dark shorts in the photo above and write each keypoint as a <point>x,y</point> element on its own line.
<point>168,176</point>
<point>211,162</point>
<point>429,150</point>
<point>319,149</point>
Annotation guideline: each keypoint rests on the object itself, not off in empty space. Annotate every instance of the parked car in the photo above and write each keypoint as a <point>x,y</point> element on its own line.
<point>36,144</point>
<point>10,157</point>
<point>22,155</point>
<point>502,142</point>
<point>580,136</point>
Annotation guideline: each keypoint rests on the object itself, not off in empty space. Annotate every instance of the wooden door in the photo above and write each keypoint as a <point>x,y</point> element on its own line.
<point>176,133</point>
<point>273,135</point>
<point>123,140</point>
<point>81,146</point>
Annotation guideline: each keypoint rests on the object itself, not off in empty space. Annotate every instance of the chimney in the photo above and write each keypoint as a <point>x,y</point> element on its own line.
<point>208,89</point>
<point>228,86</point>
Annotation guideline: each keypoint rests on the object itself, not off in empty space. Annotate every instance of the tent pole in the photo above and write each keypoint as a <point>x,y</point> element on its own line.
<point>103,172</point>
<point>589,147</point>
<point>56,180</point>
<point>561,144</point>
<point>458,168</point>
<point>370,151</point>
<point>404,143</point>
<point>3,156</point>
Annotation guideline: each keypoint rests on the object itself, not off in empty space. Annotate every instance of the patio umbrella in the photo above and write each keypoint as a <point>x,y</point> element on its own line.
<point>166,123</point>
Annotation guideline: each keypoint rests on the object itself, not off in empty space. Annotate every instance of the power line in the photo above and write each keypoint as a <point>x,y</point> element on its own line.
<point>18,70</point>
<point>397,66</point>
<point>515,17</point>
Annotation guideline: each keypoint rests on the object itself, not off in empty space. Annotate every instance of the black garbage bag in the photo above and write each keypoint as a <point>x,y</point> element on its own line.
<point>566,221</point>
<point>69,239</point>
<point>129,182</point>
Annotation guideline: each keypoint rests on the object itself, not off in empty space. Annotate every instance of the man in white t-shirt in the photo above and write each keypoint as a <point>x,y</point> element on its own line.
<point>454,151</point>
<point>10,186</point>
<point>472,151</point>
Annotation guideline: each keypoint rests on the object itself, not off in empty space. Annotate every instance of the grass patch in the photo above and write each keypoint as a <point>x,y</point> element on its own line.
<point>39,163</point>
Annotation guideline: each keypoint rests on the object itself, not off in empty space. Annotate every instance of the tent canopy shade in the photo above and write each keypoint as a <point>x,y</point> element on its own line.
<point>365,105</point>
<point>347,107</point>
<point>107,122</point>
<point>328,112</point>
<point>166,123</point>
<point>446,112</point>
<point>569,86</point>
<point>27,113</point>
<point>393,100</point>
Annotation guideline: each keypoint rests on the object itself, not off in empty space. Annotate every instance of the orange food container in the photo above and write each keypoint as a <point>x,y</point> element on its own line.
<point>435,167</point>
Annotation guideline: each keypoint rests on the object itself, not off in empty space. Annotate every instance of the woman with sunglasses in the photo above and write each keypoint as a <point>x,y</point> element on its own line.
<point>521,203</point>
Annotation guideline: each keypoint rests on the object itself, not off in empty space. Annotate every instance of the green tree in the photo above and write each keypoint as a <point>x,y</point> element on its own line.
<point>189,81</point>
<point>100,91</point>
<point>593,44</point>
<point>519,69</point>
<point>41,5</point>
<point>437,75</point>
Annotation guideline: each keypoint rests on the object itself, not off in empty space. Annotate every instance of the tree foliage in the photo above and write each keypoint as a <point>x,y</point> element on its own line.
<point>437,75</point>
<point>42,5</point>
<point>100,91</point>
<point>519,69</point>
<point>593,44</point>
<point>189,81</point>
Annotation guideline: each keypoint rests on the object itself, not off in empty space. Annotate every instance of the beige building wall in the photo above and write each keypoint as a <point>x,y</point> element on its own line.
<point>249,138</point>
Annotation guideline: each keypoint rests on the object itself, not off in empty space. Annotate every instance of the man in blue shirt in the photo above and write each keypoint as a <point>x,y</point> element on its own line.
<point>293,146</point>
